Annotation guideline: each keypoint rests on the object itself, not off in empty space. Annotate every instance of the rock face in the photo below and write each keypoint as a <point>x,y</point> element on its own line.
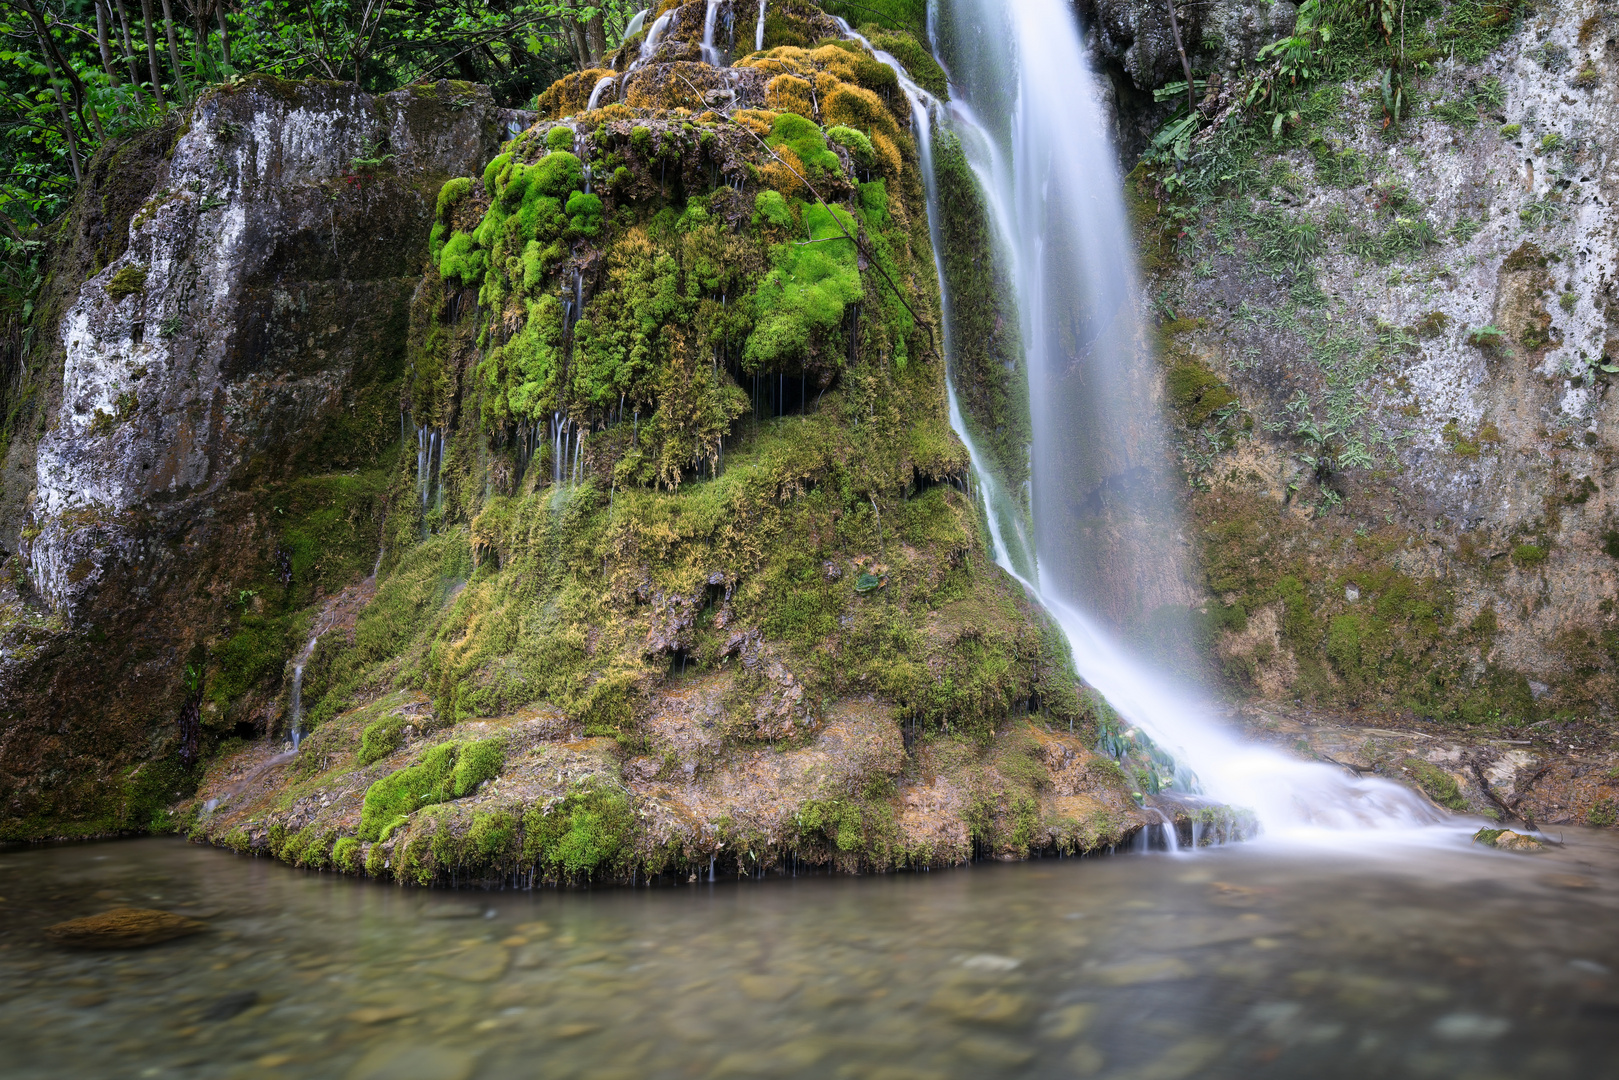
<point>1391,347</point>
<point>242,324</point>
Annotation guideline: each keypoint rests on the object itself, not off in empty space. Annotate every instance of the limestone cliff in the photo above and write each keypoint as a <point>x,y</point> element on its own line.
<point>1388,329</point>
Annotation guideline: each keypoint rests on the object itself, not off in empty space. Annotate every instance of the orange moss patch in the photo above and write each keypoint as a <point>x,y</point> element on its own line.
<point>569,94</point>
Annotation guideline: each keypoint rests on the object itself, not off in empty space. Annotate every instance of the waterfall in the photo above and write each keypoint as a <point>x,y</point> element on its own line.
<point>711,53</point>
<point>637,23</point>
<point>1105,548</point>
<point>653,36</point>
<point>759,34</point>
<point>295,707</point>
<point>599,89</point>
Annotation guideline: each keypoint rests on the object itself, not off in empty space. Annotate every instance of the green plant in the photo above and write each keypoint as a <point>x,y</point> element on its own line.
<point>1529,556</point>
<point>1511,131</point>
<point>1440,786</point>
<point>1487,338</point>
<point>1602,813</point>
<point>127,281</point>
<point>586,831</point>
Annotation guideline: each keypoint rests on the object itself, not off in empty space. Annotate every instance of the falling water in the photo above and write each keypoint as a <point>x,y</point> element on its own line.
<point>599,89</point>
<point>711,52</point>
<point>637,23</point>
<point>759,34</point>
<point>1106,550</point>
<point>654,36</point>
<point>295,707</point>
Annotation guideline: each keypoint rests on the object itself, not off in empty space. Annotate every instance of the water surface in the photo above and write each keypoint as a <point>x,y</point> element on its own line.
<point>1252,960</point>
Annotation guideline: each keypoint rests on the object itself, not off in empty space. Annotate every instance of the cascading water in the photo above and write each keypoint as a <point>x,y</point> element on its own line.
<point>711,52</point>
<point>759,31</point>
<point>1105,552</point>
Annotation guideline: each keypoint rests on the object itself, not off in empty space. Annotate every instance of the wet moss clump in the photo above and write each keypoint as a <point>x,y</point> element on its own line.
<point>1439,785</point>
<point>588,831</point>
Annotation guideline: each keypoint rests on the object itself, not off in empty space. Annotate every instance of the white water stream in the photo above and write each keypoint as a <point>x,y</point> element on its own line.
<point>1053,192</point>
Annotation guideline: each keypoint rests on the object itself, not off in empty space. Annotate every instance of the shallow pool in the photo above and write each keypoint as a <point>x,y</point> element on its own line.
<point>1252,960</point>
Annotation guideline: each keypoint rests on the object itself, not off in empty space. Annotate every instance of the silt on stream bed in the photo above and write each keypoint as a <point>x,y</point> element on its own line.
<point>1251,960</point>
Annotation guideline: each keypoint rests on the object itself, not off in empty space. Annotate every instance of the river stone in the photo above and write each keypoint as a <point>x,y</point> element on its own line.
<point>1507,840</point>
<point>122,928</point>
<point>413,1061</point>
<point>480,963</point>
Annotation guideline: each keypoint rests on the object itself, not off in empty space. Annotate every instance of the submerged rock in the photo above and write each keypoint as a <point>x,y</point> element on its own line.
<point>123,928</point>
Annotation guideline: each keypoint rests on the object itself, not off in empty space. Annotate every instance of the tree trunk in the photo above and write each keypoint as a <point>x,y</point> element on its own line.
<point>174,52</point>
<point>61,102</point>
<point>129,54</point>
<point>151,53</point>
<point>224,33</point>
<point>47,45</point>
<point>596,34</point>
<point>104,44</point>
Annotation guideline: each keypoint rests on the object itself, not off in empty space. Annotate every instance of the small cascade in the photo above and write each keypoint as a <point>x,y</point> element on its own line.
<point>711,52</point>
<point>636,24</point>
<point>600,88</point>
<point>759,34</point>
<point>654,36</point>
<point>295,707</point>
<point>429,464</point>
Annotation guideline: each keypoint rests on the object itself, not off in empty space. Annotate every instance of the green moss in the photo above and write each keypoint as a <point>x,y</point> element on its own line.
<point>588,831</point>
<point>390,801</point>
<point>1602,814</point>
<point>910,51</point>
<point>803,298</point>
<point>804,138</point>
<point>460,261</point>
<point>1197,393</point>
<point>478,762</point>
<point>559,138</point>
<point>1439,784</point>
<point>380,739</point>
<point>1528,556</point>
<point>347,856</point>
<point>127,281</point>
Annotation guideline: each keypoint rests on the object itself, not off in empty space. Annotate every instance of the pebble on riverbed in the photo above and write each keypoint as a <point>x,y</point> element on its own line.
<point>122,928</point>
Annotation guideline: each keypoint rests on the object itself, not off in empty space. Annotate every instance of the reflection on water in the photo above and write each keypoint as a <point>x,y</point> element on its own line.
<point>1246,961</point>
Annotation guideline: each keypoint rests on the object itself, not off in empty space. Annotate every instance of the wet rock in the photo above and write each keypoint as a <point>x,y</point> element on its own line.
<point>968,1005</point>
<point>1507,840</point>
<point>407,1061</point>
<point>380,1014</point>
<point>480,963</point>
<point>1144,970</point>
<point>122,928</point>
<point>229,1005</point>
<point>1464,1027</point>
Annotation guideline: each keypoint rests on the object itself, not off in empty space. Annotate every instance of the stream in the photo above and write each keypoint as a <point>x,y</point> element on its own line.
<point>1445,960</point>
